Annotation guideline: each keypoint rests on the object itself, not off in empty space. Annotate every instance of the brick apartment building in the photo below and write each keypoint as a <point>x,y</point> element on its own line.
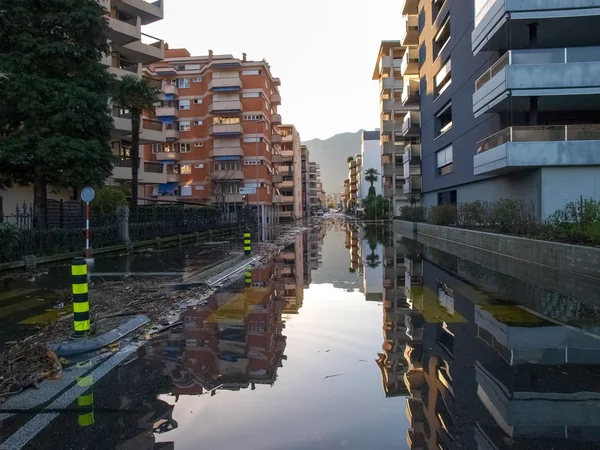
<point>221,121</point>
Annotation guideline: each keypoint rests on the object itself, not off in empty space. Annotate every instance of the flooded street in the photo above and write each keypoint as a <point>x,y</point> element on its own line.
<point>351,338</point>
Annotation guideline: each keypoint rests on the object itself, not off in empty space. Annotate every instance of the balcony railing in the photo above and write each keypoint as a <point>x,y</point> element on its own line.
<point>539,56</point>
<point>543,133</point>
<point>483,11</point>
<point>155,125</point>
<point>409,34</point>
<point>154,167</point>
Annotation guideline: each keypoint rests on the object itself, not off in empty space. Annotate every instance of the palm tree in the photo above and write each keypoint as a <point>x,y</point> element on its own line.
<point>371,175</point>
<point>137,95</point>
<point>350,159</point>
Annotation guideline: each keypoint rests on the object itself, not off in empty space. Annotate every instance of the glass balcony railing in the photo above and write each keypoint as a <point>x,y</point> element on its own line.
<point>482,9</point>
<point>539,56</point>
<point>544,133</point>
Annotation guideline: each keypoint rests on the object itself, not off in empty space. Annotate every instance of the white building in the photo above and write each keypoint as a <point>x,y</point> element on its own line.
<point>371,159</point>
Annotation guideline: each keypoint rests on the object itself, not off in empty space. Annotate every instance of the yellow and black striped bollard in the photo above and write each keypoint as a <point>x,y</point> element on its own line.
<point>248,276</point>
<point>81,305</point>
<point>85,402</point>
<point>247,242</point>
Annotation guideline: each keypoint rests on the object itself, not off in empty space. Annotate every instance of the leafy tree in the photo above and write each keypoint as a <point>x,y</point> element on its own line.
<point>376,207</point>
<point>54,117</point>
<point>136,95</point>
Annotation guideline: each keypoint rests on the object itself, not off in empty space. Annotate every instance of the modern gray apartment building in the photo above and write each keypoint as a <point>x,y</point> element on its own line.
<point>519,114</point>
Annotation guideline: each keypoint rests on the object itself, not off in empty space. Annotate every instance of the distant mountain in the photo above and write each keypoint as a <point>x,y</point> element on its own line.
<point>332,154</point>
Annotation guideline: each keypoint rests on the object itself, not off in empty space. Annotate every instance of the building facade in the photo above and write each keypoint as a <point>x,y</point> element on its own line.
<point>397,70</point>
<point>289,179</point>
<point>371,159</point>
<point>517,117</point>
<point>221,120</point>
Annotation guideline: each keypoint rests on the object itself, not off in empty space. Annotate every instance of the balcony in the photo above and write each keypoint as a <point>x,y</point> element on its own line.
<point>275,138</point>
<point>171,134</point>
<point>411,126</point>
<point>226,129</point>
<point>412,154</point>
<point>170,89</point>
<point>494,17</point>
<point>388,148</point>
<point>276,119</point>
<point>388,84</point>
<point>154,173</point>
<point>410,62</point>
<point>287,199</point>
<point>147,50</point>
<point>166,111</point>
<point>225,84</point>
<point>284,170</point>
<point>226,107</point>
<point>387,126</point>
<point>284,214</point>
<point>287,155</point>
<point>287,184</point>
<point>275,99</point>
<point>227,151</point>
<point>277,178</point>
<point>412,185</point>
<point>121,122</point>
<point>276,198</point>
<point>148,10</point>
<point>152,131</point>
<point>173,178</point>
<point>228,174</point>
<point>168,156</point>
<point>517,148</point>
<point>389,105</point>
<point>560,77</point>
<point>121,67</point>
<point>410,93</point>
<point>409,7</point>
<point>387,64</point>
<point>123,32</point>
<point>409,33</point>
<point>276,158</point>
<point>388,170</point>
<point>276,81</point>
<point>287,138</point>
<point>234,198</point>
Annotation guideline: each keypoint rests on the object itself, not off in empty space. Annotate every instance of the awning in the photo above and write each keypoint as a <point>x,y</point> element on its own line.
<point>169,96</point>
<point>166,119</point>
<point>226,88</point>
<point>168,162</point>
<point>227,158</point>
<point>167,188</point>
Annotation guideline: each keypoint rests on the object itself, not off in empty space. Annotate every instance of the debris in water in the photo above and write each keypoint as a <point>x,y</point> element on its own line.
<point>334,375</point>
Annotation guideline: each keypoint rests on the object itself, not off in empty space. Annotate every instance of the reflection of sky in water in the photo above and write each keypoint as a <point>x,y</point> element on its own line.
<point>336,332</point>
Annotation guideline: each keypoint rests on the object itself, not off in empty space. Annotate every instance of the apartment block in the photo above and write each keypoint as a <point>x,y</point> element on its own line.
<point>289,180</point>
<point>371,159</point>
<point>222,140</point>
<point>397,70</point>
<point>130,50</point>
<point>314,174</point>
<point>518,115</point>
<point>354,175</point>
<point>305,158</point>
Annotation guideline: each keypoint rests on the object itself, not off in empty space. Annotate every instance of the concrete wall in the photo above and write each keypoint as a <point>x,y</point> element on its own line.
<point>24,194</point>
<point>560,185</point>
<point>371,159</point>
<point>570,258</point>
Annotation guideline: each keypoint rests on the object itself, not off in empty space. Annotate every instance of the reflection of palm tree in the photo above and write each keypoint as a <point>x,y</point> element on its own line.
<point>373,260</point>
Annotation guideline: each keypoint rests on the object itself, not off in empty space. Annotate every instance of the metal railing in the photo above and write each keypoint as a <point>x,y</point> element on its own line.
<point>492,71</point>
<point>542,133</point>
<point>151,167</point>
<point>155,125</point>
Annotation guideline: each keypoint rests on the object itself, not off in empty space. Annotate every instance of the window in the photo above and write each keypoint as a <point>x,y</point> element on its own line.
<point>199,166</point>
<point>185,126</point>
<point>443,79</point>
<point>254,117</point>
<point>442,38</point>
<point>197,80</point>
<point>184,104</point>
<point>444,161</point>
<point>197,122</point>
<point>197,101</point>
<point>436,8</point>
<point>251,139</point>
<point>443,120</point>
<point>183,83</point>
<point>186,191</point>
<point>227,165</point>
<point>251,94</point>
<point>185,148</point>
<point>251,72</point>
<point>253,162</point>
<point>199,188</point>
<point>225,120</point>
<point>185,169</point>
<point>192,67</point>
<point>198,144</point>
<point>157,148</point>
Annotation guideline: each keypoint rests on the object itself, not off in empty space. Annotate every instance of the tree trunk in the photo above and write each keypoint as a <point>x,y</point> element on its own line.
<point>135,157</point>
<point>39,199</point>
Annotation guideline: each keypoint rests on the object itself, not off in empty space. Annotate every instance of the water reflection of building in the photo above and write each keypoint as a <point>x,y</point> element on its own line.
<point>290,276</point>
<point>353,244</point>
<point>233,342</point>
<point>490,373</point>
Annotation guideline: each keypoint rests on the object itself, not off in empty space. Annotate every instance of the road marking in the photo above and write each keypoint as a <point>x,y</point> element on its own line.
<point>40,421</point>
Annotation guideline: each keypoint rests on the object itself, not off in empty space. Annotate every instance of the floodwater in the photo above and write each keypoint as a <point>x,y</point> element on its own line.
<point>352,339</point>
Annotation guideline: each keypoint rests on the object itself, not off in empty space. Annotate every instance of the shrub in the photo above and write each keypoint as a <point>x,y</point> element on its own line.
<point>442,215</point>
<point>412,213</point>
<point>577,222</point>
<point>513,216</point>
<point>472,214</point>
<point>107,200</point>
<point>11,238</point>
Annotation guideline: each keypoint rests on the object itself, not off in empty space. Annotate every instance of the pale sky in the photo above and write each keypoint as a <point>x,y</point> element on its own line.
<point>324,51</point>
